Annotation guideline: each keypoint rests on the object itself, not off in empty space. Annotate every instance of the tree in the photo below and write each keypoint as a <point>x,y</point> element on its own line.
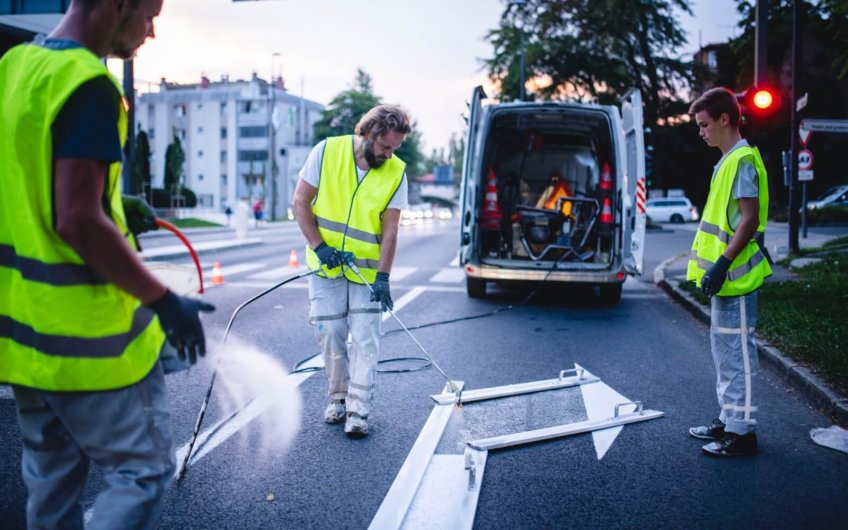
<point>174,160</point>
<point>344,111</point>
<point>140,175</point>
<point>595,50</point>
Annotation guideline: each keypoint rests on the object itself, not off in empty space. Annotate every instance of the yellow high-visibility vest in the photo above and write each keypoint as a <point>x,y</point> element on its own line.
<point>750,268</point>
<point>349,212</point>
<point>62,326</point>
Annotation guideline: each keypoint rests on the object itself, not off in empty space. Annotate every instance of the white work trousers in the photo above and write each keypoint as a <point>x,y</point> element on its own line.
<point>733,319</point>
<point>338,307</point>
<point>127,432</point>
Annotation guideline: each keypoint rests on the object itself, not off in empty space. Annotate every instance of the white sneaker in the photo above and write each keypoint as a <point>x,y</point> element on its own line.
<point>335,411</point>
<point>356,426</point>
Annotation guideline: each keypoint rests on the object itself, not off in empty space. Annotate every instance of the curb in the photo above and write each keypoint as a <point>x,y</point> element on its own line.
<point>818,394</point>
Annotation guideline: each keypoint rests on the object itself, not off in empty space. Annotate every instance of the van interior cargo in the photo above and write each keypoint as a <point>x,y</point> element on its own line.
<point>548,189</point>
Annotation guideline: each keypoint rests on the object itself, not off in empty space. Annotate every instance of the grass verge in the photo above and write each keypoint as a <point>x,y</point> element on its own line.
<point>192,222</point>
<point>805,317</point>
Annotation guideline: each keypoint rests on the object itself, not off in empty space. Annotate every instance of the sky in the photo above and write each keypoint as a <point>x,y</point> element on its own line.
<point>424,55</point>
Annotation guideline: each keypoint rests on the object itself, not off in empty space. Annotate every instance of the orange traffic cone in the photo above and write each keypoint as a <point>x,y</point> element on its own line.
<point>293,259</point>
<point>491,215</point>
<point>606,211</point>
<point>606,177</point>
<point>217,277</point>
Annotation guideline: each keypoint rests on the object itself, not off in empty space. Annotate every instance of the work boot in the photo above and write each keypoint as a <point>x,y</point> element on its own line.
<point>356,426</point>
<point>733,445</point>
<point>713,431</point>
<point>335,411</point>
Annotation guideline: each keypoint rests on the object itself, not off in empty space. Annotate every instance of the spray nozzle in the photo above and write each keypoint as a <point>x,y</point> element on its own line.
<point>347,257</point>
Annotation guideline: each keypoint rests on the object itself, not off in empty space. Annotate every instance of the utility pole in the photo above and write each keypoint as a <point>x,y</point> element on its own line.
<point>521,89</point>
<point>794,202</point>
<point>129,146</point>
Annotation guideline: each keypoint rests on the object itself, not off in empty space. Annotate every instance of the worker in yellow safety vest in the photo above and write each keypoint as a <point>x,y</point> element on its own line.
<point>347,204</point>
<point>82,321</point>
<point>729,264</point>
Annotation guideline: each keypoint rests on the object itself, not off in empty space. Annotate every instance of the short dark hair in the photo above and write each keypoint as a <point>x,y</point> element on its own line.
<point>717,101</point>
<point>382,119</point>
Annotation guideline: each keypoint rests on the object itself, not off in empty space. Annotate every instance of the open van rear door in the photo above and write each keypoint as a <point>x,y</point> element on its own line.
<point>470,178</point>
<point>635,192</point>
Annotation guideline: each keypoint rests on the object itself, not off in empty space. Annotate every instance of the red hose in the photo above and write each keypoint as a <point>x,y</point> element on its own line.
<point>168,226</point>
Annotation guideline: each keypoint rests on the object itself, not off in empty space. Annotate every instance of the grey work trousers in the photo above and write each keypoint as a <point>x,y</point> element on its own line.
<point>127,432</point>
<point>338,307</point>
<point>732,323</point>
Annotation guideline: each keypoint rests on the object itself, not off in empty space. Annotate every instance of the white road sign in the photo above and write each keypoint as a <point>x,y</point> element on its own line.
<point>805,159</point>
<point>804,134</point>
<point>805,175</point>
<point>833,126</point>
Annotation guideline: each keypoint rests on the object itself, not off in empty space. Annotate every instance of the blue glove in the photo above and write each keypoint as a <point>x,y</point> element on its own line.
<point>140,216</point>
<point>178,316</point>
<point>714,278</point>
<point>329,256</point>
<point>380,291</point>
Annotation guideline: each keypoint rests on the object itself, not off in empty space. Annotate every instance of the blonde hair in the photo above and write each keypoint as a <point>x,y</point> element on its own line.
<point>382,119</point>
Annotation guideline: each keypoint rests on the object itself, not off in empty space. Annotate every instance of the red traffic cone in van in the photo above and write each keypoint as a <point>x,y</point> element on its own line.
<point>606,211</point>
<point>606,178</point>
<point>491,215</point>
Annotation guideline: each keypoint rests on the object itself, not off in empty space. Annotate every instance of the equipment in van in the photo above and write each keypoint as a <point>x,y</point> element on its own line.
<point>553,191</point>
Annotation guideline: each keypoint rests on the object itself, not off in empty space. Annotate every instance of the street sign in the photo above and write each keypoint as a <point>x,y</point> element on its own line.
<point>805,136</point>
<point>802,102</point>
<point>805,159</point>
<point>833,126</point>
<point>805,175</point>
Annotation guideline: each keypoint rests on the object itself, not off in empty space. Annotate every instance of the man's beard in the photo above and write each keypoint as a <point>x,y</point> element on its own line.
<point>371,159</point>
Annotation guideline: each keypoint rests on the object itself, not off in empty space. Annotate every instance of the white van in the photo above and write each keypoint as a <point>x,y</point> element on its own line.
<point>549,193</point>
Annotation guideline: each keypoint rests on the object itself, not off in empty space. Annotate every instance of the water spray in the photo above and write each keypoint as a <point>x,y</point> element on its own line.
<point>184,465</point>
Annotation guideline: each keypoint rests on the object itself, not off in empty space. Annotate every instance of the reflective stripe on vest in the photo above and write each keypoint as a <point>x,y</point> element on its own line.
<point>348,211</point>
<point>750,268</point>
<point>62,326</point>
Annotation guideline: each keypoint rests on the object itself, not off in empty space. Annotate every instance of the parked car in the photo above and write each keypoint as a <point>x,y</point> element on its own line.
<point>671,210</point>
<point>835,196</point>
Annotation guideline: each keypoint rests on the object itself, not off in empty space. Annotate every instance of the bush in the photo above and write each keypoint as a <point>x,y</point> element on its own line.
<point>828,214</point>
<point>162,198</point>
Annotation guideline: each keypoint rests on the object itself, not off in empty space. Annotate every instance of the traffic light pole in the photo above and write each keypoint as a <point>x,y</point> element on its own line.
<point>793,128</point>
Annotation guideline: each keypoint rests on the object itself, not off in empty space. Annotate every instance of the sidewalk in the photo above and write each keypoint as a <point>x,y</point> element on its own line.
<point>668,276</point>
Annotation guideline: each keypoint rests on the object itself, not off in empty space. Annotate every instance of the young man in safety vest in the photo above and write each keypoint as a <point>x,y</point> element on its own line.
<point>729,265</point>
<point>76,340</point>
<point>347,203</point>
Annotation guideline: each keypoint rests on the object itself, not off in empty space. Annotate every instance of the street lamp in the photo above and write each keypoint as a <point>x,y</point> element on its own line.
<point>521,4</point>
<point>272,132</point>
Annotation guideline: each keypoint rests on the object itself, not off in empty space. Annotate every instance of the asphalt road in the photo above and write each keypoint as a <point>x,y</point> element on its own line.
<point>646,348</point>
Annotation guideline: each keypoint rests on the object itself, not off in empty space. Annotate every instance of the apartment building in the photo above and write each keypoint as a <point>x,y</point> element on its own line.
<point>243,140</point>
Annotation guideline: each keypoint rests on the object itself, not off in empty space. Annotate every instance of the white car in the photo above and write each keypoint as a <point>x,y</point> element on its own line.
<point>671,210</point>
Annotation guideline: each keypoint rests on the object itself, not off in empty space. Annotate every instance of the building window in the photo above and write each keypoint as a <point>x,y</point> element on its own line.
<point>182,134</point>
<point>151,133</point>
<point>712,61</point>
<point>253,155</point>
<point>200,177</point>
<point>200,154</point>
<point>206,200</point>
<point>260,131</point>
<point>223,157</point>
<point>223,133</point>
<point>199,130</point>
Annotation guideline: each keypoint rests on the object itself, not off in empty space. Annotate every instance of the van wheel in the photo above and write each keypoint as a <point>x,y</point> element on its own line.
<point>677,219</point>
<point>475,287</point>
<point>610,293</point>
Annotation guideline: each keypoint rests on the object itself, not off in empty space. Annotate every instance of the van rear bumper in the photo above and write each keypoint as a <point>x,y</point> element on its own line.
<point>488,272</point>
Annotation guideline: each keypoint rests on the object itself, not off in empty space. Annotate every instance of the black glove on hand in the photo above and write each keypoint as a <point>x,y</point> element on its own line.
<point>140,216</point>
<point>178,316</point>
<point>329,256</point>
<point>380,291</point>
<point>714,278</point>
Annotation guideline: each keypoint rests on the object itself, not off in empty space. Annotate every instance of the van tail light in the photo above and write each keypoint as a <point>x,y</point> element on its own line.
<point>606,211</point>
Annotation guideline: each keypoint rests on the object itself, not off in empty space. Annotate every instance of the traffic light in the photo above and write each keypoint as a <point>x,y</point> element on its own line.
<point>760,106</point>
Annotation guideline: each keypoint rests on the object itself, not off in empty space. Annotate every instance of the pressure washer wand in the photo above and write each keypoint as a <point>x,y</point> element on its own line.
<point>456,389</point>
<point>184,465</point>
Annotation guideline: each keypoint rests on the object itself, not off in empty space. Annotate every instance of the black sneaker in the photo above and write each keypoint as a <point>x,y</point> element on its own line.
<point>713,431</point>
<point>733,445</point>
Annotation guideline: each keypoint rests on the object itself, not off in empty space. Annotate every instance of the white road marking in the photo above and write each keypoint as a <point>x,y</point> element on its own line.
<point>455,261</point>
<point>448,276</point>
<point>403,300</point>
<point>399,273</point>
<point>232,270</point>
<point>277,274</point>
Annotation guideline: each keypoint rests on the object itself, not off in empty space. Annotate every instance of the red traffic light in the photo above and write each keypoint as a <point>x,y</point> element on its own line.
<point>763,99</point>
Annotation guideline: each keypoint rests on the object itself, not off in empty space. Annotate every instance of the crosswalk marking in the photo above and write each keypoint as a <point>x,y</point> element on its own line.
<point>399,273</point>
<point>448,276</point>
<point>235,269</point>
<point>278,273</point>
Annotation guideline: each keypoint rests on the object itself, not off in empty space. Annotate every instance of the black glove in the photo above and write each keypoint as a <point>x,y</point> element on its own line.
<point>329,256</point>
<point>714,278</point>
<point>380,291</point>
<point>140,216</point>
<point>178,316</point>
